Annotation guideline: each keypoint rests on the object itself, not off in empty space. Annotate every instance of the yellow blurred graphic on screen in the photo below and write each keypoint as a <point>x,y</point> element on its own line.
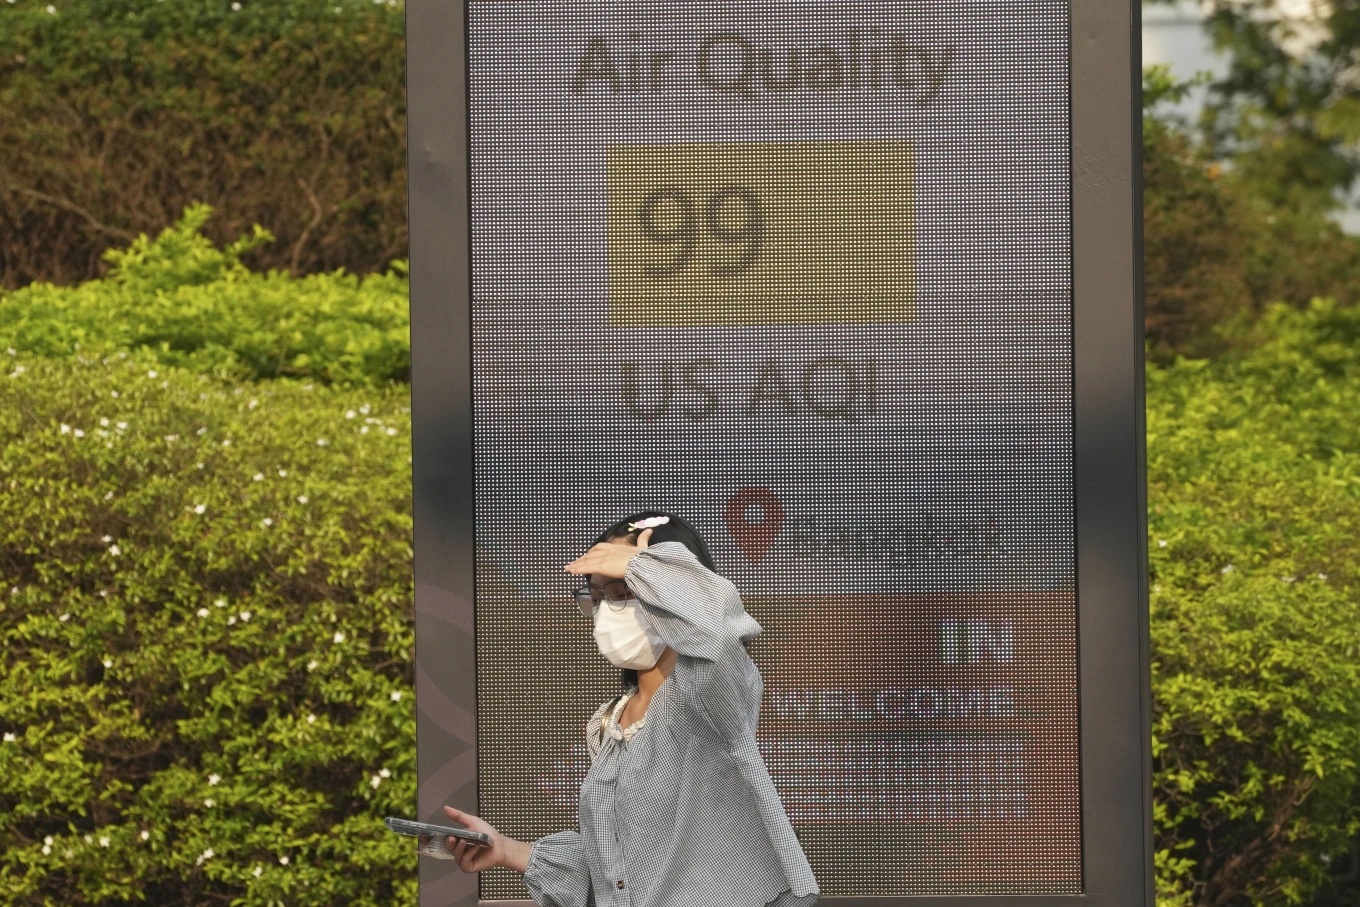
<point>759,233</point>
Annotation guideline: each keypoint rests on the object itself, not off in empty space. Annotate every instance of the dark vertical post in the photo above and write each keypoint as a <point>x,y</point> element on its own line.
<point>441,418</point>
<point>1110,494</point>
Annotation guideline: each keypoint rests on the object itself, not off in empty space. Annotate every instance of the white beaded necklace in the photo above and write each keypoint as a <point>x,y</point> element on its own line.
<point>624,733</point>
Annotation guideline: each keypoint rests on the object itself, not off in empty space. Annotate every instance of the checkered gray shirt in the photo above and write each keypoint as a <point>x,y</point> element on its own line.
<point>684,814</point>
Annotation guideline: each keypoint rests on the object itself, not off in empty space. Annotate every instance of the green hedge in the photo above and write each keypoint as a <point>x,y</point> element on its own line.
<point>205,611</point>
<point>1254,493</point>
<point>120,113</point>
<point>193,305</point>
<point>207,637</point>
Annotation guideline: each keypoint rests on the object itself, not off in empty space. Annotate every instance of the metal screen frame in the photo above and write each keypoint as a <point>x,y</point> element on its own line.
<point>1111,516</point>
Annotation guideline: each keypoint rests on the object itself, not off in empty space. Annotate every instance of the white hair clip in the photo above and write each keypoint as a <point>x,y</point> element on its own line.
<point>650,523</point>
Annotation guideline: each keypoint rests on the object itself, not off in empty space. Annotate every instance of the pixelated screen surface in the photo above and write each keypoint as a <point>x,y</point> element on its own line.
<point>799,272</point>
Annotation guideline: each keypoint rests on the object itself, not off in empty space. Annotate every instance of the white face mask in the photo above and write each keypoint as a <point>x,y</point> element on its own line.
<point>625,637</point>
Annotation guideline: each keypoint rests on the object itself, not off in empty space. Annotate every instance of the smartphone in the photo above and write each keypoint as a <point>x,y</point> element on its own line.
<point>437,833</point>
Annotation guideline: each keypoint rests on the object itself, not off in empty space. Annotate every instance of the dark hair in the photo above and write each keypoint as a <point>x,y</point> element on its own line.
<point>676,529</point>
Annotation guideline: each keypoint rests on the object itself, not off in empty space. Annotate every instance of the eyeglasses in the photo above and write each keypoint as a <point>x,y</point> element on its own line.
<point>588,598</point>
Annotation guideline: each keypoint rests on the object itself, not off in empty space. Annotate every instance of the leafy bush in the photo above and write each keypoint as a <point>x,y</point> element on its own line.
<point>205,611</point>
<point>206,635</point>
<point>1254,487</point>
<point>198,307</point>
<point>1215,252</point>
<point>120,113</point>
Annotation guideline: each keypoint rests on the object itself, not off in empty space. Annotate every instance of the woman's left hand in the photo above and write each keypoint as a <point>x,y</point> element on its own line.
<point>609,559</point>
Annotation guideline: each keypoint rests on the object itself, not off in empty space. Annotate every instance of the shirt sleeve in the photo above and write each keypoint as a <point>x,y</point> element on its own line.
<point>557,874</point>
<point>700,615</point>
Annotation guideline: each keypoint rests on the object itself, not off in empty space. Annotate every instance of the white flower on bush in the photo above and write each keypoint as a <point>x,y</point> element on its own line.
<point>18,370</point>
<point>114,551</point>
<point>10,737</point>
<point>385,773</point>
<point>1161,543</point>
<point>145,834</point>
<point>266,522</point>
<point>103,421</point>
<point>12,351</point>
<point>1228,569</point>
<point>151,373</point>
<point>350,414</point>
<point>199,508</point>
<point>364,409</point>
<point>220,603</point>
<point>257,871</point>
<point>311,719</point>
<point>283,473</point>
<point>205,855</point>
<point>375,781</point>
<point>252,404</point>
<point>46,848</point>
<point>214,779</point>
<point>108,663</point>
<point>170,437</point>
<point>364,430</point>
<point>283,860</point>
<point>339,636</point>
<point>396,695</point>
<point>121,425</point>
<point>391,431</point>
<point>321,442</point>
<point>231,621</point>
<point>103,840</point>
<point>63,617</point>
<point>202,612</point>
<point>311,665</point>
<point>258,477</point>
<point>106,539</point>
<point>78,433</point>
<point>302,499</point>
<point>226,442</point>
<point>209,803</point>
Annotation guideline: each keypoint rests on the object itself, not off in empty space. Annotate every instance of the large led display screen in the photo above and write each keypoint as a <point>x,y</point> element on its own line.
<point>800,272</point>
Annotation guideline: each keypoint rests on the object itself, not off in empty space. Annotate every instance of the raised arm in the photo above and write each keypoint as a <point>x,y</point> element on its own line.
<point>700,615</point>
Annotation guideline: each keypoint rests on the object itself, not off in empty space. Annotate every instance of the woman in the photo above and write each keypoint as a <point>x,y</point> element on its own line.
<point>677,809</point>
